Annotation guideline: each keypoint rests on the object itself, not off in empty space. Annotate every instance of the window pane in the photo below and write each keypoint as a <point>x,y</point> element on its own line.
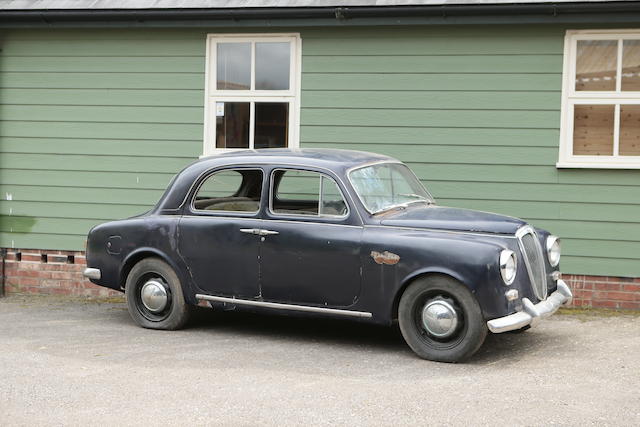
<point>233,66</point>
<point>386,185</point>
<point>307,193</point>
<point>272,66</point>
<point>297,192</point>
<point>231,190</point>
<point>331,201</point>
<point>232,124</point>
<point>631,65</point>
<point>593,130</point>
<point>596,65</point>
<point>629,130</point>
<point>271,128</point>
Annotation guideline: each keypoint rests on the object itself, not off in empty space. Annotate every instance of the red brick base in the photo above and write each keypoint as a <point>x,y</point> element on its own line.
<point>604,292</point>
<point>44,272</point>
<point>35,271</point>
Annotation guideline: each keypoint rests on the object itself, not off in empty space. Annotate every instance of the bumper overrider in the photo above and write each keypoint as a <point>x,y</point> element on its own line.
<point>532,313</point>
<point>92,273</point>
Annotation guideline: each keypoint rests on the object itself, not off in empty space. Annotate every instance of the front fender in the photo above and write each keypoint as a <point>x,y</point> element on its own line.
<point>437,270</point>
<point>470,258</point>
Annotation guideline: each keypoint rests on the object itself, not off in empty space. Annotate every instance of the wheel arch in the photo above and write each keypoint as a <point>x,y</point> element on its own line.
<point>419,274</point>
<point>138,255</point>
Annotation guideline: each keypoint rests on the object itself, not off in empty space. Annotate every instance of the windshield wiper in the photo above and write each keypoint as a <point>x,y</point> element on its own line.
<point>414,195</point>
<point>418,197</point>
<point>404,205</point>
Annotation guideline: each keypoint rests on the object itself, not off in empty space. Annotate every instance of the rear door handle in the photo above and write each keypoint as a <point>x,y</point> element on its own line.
<point>267,232</point>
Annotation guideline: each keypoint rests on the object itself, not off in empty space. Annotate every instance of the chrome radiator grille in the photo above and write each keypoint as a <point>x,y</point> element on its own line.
<point>533,258</point>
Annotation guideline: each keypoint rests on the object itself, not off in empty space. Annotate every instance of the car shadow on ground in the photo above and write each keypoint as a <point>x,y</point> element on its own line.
<point>349,333</point>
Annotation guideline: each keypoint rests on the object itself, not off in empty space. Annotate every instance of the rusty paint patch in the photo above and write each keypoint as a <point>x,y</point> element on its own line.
<point>385,257</point>
<point>203,303</point>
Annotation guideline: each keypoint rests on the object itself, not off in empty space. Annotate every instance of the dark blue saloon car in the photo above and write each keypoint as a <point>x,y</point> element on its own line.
<point>331,233</point>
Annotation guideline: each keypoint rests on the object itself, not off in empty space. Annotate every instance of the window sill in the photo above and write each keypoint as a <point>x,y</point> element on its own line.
<point>219,151</point>
<point>592,165</point>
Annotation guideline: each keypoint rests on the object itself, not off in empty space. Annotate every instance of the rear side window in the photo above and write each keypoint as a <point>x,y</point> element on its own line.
<point>230,190</point>
<point>298,192</point>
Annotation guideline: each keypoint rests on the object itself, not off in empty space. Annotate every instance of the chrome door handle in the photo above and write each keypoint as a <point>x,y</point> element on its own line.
<point>258,231</point>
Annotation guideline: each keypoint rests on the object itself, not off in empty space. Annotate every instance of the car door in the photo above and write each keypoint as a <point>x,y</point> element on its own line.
<point>216,239</point>
<point>310,248</point>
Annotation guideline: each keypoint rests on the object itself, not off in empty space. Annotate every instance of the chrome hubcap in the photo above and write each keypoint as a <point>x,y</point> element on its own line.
<point>154,296</point>
<point>439,318</point>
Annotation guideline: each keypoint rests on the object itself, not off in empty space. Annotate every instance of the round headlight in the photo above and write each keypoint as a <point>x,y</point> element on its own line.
<point>508,266</point>
<point>553,250</point>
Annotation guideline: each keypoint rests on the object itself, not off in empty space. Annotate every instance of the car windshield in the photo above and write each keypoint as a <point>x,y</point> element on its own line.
<point>385,186</point>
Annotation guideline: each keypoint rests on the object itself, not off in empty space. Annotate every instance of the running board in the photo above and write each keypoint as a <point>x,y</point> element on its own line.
<point>280,306</point>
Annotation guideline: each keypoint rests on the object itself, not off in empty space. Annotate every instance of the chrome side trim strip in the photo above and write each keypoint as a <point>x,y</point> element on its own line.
<point>439,230</point>
<point>281,306</point>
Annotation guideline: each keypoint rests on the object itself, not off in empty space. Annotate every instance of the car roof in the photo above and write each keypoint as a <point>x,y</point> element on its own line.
<point>338,161</point>
<point>321,157</point>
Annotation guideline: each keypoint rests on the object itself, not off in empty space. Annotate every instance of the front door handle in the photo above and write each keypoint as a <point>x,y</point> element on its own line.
<point>258,231</point>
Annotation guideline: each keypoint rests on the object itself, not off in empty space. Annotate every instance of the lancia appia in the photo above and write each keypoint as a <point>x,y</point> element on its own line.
<point>329,233</point>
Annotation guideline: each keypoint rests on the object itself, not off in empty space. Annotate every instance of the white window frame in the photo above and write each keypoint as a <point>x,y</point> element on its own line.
<point>212,95</point>
<point>571,97</point>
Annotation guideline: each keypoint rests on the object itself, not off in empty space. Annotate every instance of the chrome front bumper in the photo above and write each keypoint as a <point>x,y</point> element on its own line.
<point>92,273</point>
<point>532,313</point>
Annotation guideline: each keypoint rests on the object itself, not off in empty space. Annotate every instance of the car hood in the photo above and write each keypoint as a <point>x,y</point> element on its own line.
<point>453,219</point>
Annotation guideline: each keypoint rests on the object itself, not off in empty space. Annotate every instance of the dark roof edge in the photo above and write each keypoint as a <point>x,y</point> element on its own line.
<point>625,11</point>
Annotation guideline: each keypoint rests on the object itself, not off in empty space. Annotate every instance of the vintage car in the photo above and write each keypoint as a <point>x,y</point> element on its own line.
<point>329,232</point>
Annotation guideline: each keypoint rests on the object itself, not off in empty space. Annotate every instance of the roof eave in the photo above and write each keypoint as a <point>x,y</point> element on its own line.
<point>624,11</point>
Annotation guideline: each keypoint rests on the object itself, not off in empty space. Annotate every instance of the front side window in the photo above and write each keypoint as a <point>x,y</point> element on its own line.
<point>384,186</point>
<point>601,100</point>
<point>298,192</point>
<point>230,190</point>
<point>252,92</point>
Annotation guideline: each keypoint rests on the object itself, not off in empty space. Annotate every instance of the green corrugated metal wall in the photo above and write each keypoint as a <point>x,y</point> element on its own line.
<point>95,122</point>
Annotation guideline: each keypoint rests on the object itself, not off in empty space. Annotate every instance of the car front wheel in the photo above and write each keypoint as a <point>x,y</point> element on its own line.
<point>441,320</point>
<point>154,296</point>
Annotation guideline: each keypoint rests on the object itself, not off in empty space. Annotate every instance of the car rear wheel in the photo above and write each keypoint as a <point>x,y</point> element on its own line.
<point>441,320</point>
<point>154,296</point>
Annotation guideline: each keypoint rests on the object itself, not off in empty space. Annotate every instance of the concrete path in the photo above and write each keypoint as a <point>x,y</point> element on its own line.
<point>72,362</point>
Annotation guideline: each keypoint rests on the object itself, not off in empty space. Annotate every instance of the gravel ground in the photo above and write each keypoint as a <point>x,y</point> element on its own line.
<point>74,362</point>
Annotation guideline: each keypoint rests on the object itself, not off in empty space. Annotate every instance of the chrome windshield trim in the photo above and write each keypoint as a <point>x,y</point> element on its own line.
<point>431,200</point>
<point>281,306</point>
